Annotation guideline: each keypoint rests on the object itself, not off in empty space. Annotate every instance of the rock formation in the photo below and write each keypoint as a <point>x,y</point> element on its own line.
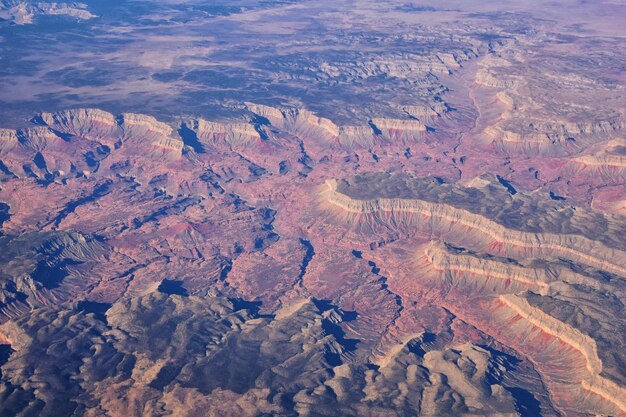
<point>312,209</point>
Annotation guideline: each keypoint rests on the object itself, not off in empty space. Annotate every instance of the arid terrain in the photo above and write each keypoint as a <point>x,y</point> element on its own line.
<point>298,208</point>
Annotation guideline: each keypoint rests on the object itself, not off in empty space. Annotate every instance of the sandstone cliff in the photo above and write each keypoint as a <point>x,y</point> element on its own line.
<point>586,345</point>
<point>439,219</point>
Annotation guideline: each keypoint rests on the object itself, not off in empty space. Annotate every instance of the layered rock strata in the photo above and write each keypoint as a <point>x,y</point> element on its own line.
<point>439,218</point>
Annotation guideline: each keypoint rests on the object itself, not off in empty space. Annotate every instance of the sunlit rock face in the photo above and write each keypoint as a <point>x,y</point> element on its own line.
<point>312,209</point>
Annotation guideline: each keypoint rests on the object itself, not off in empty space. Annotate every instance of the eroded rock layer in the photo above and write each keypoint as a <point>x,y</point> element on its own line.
<point>414,282</point>
<point>502,263</point>
<point>303,209</point>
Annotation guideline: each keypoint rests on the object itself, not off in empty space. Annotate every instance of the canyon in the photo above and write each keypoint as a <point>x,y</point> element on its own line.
<point>312,209</point>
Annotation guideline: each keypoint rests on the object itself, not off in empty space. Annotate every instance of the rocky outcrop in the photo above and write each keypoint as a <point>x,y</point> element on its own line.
<point>36,152</point>
<point>362,136</point>
<point>319,122</point>
<point>556,328</point>
<point>604,161</point>
<point>275,116</point>
<point>606,156</point>
<point>44,268</point>
<point>139,127</point>
<point>487,78</point>
<point>38,138</point>
<point>539,276</point>
<point>8,140</point>
<point>469,376</point>
<point>451,367</point>
<point>92,124</point>
<point>301,122</point>
<point>398,129</point>
<point>440,219</point>
<point>105,128</point>
<point>232,349</point>
<point>231,134</point>
<point>508,101</point>
<point>212,281</point>
<point>583,343</point>
<point>549,138</point>
<point>141,124</point>
<point>306,124</point>
<point>426,112</point>
<point>242,364</point>
<point>172,211</point>
<point>445,260</point>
